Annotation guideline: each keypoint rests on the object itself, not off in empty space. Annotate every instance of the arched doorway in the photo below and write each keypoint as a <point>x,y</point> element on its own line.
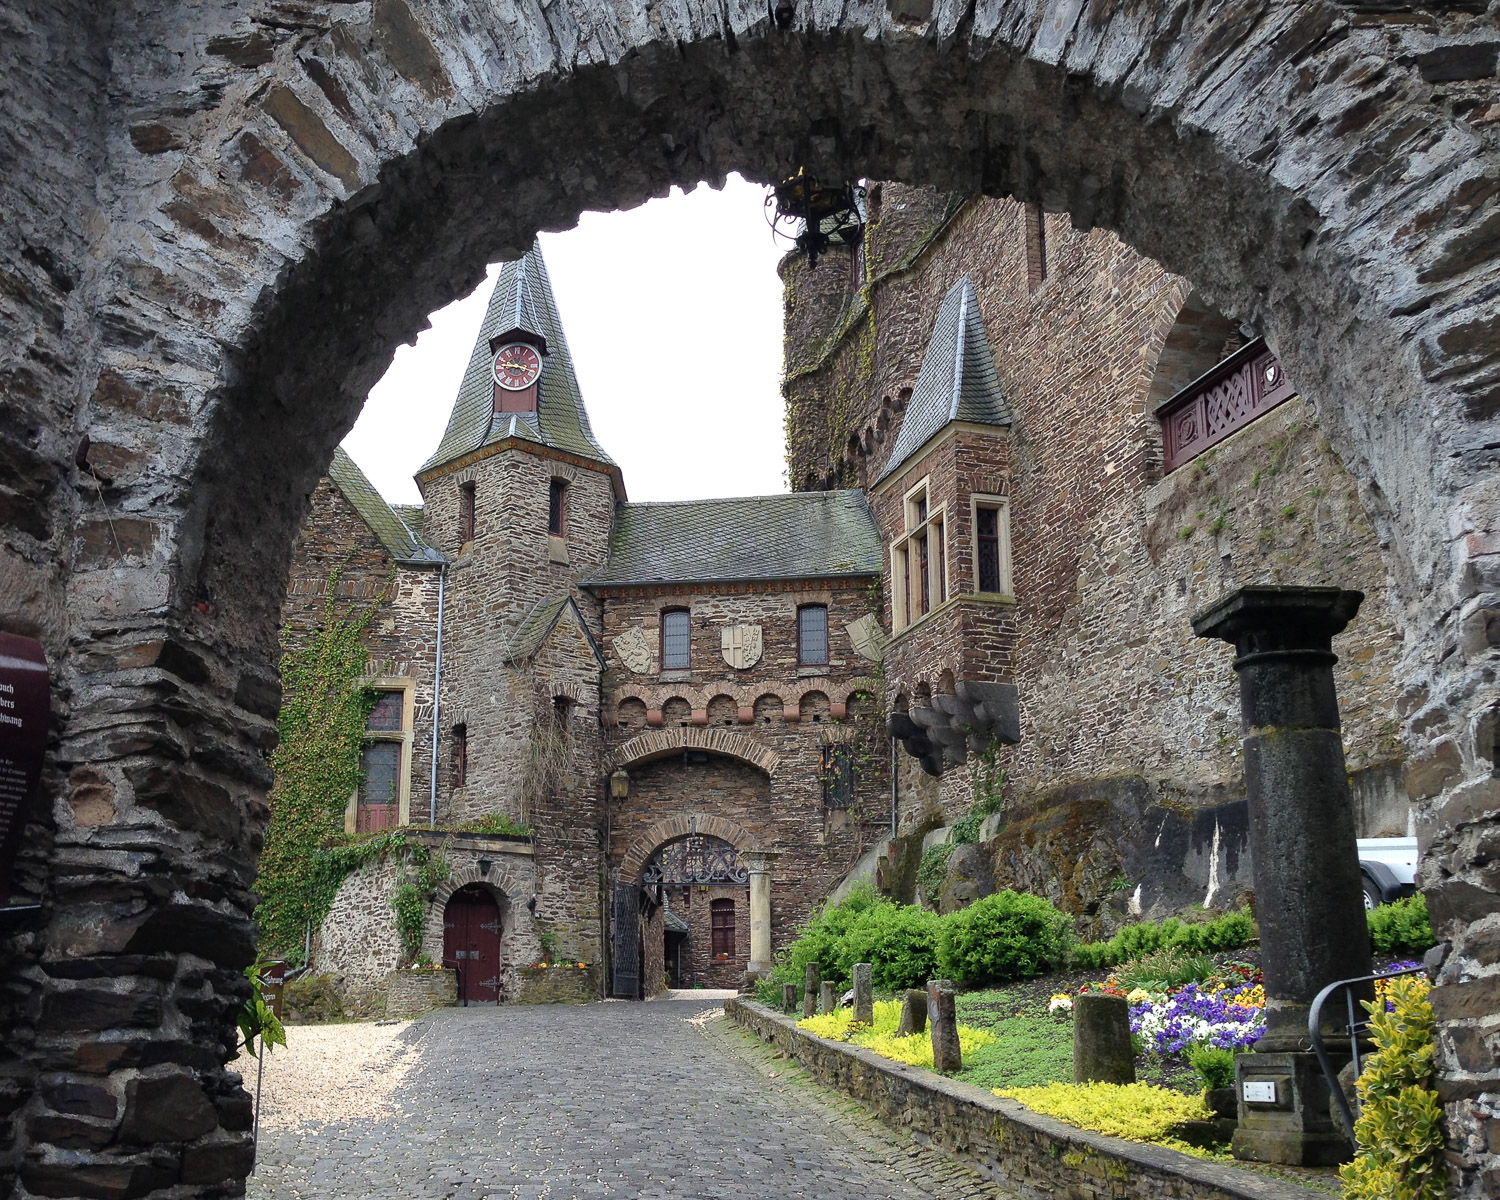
<point>471,943</point>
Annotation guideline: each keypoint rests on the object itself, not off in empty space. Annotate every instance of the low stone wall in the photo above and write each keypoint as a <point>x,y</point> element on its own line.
<point>557,985</point>
<point>1033,1156</point>
<point>409,993</point>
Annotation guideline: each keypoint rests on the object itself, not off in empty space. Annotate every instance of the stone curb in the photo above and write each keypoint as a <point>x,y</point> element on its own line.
<point>1037,1157</point>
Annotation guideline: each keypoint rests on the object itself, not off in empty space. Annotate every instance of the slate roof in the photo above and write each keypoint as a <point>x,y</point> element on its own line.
<point>403,542</point>
<point>522,299</point>
<point>800,535</point>
<point>957,381</point>
<point>540,622</point>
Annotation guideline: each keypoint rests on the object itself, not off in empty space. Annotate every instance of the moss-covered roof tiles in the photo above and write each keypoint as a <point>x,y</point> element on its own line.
<point>403,543</point>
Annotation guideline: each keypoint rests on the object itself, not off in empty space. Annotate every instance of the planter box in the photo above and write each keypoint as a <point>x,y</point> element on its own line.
<point>411,993</point>
<point>557,985</point>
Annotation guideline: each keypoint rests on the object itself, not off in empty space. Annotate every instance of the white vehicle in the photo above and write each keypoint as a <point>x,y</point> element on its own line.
<point>1389,868</point>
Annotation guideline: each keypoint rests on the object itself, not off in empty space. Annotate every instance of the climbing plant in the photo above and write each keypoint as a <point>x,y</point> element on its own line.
<point>323,710</point>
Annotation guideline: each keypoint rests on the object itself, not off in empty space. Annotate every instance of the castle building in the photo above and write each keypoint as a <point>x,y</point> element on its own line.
<point>652,738</point>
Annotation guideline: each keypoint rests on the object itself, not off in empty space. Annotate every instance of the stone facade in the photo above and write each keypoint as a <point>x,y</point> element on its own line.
<point>220,222</point>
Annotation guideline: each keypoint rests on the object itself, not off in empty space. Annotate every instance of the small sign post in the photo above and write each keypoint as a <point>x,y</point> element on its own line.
<point>25,704</point>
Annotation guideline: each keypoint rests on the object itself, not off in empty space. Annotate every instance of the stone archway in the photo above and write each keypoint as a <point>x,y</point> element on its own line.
<point>660,742</point>
<point>226,224</point>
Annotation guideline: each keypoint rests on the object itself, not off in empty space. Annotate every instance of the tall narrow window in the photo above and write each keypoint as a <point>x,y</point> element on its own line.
<point>812,635</point>
<point>919,577</point>
<point>459,775</point>
<point>924,599</point>
<point>675,640</point>
<point>838,776</point>
<point>1035,221</point>
<point>992,544</point>
<point>378,796</point>
<point>557,507</point>
<point>721,927</point>
<point>465,513</point>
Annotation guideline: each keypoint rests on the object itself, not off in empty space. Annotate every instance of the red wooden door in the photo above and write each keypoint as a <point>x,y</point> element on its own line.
<point>471,942</point>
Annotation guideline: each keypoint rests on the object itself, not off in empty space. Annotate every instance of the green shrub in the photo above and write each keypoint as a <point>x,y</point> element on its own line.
<point>1010,935</point>
<point>932,869</point>
<point>1165,970</point>
<point>1214,1066</point>
<point>1401,926</point>
<point>1400,1125</point>
<point>768,992</point>
<point>1228,932</point>
<point>899,941</point>
<point>822,939</point>
<point>965,830</point>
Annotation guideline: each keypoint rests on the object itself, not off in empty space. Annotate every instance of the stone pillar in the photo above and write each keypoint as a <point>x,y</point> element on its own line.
<point>1102,1051</point>
<point>759,862</point>
<point>913,1013</point>
<point>788,997</point>
<point>810,990</point>
<point>864,999</point>
<point>828,999</point>
<point>947,1055</point>
<point>1309,900</point>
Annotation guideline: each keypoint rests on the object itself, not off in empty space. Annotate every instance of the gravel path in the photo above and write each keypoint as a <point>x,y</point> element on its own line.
<point>661,1101</point>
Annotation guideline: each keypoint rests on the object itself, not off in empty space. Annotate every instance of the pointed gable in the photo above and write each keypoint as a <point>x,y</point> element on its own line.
<point>538,625</point>
<point>403,543</point>
<point>957,381</point>
<point>522,303</point>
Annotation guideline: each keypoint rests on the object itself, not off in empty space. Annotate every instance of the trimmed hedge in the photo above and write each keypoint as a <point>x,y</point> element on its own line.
<point>1229,932</point>
<point>1401,926</point>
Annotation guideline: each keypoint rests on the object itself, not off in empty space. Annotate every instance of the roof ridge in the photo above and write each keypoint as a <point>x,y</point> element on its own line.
<point>822,493</point>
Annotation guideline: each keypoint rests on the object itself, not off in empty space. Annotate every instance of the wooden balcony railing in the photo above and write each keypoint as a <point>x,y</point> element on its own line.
<point>1247,384</point>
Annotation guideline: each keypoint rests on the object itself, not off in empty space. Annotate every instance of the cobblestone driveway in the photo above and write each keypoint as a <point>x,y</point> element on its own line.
<point>654,1101</point>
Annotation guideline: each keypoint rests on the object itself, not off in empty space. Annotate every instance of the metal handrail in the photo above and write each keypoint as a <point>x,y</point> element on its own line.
<point>1354,1028</point>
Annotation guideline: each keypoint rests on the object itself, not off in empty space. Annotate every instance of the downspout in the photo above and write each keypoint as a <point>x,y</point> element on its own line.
<point>893,789</point>
<point>437,696</point>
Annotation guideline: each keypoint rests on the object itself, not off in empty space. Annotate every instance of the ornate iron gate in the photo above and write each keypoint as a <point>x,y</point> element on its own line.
<point>627,941</point>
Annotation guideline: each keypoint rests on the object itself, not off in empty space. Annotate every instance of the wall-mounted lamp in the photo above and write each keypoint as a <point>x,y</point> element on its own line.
<point>619,785</point>
<point>485,863</point>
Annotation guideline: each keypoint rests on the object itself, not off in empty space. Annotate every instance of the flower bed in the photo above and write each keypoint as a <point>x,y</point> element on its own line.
<point>914,1049</point>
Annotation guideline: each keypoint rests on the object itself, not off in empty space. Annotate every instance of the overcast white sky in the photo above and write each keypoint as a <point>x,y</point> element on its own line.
<point>673,315</point>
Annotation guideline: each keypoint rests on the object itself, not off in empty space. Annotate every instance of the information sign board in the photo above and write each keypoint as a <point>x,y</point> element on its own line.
<point>25,703</point>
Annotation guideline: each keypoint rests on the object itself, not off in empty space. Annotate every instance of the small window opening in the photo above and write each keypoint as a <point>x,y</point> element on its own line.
<point>676,640</point>
<point>721,927</point>
<point>1035,221</point>
<point>812,635</point>
<point>465,513</point>
<point>557,507</point>
<point>838,776</point>
<point>459,771</point>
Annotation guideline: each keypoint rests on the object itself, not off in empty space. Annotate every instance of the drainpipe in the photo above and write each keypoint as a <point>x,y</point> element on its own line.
<point>893,789</point>
<point>437,696</point>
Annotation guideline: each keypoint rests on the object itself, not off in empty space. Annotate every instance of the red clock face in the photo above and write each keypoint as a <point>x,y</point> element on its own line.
<point>517,366</point>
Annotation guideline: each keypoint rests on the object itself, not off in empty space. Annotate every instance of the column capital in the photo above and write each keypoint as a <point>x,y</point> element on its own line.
<point>758,862</point>
<point>1263,617</point>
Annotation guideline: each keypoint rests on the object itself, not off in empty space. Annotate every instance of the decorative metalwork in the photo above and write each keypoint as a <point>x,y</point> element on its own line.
<point>817,212</point>
<point>698,858</point>
<point>626,961</point>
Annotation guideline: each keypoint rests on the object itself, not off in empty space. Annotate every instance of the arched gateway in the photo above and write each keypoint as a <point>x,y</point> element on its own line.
<point>215,249</point>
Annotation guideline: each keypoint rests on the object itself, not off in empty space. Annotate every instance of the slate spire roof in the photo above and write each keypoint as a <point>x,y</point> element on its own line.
<point>957,381</point>
<point>798,535</point>
<point>403,542</point>
<point>522,300</point>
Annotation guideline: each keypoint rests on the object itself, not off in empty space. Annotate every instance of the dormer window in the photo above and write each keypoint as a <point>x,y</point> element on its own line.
<point>557,504</point>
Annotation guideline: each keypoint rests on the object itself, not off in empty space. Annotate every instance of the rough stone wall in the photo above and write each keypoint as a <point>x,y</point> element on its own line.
<point>358,943</point>
<point>776,709</point>
<point>268,207</point>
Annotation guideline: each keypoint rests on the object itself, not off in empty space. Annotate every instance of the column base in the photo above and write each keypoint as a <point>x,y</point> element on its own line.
<point>1286,1119</point>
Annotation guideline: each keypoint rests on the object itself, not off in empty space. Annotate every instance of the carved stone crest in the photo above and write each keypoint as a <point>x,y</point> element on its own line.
<point>868,637</point>
<point>634,649</point>
<point>742,645</point>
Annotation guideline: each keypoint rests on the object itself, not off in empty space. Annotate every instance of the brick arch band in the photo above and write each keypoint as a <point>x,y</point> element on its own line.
<point>647,843</point>
<point>658,743</point>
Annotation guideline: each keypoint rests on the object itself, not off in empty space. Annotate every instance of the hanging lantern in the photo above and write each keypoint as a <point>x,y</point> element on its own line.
<point>812,215</point>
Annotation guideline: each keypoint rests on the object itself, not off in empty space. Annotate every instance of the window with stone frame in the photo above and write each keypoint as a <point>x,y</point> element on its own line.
<point>991,544</point>
<point>721,928</point>
<point>1035,224</point>
<point>676,640</point>
<point>837,775</point>
<point>919,575</point>
<point>557,504</point>
<point>458,773</point>
<point>384,761</point>
<point>812,635</point>
<point>466,517</point>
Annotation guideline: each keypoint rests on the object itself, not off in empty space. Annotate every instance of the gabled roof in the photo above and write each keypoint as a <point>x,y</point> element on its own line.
<point>957,381</point>
<point>522,300</point>
<point>801,535</point>
<point>403,543</point>
<point>540,622</point>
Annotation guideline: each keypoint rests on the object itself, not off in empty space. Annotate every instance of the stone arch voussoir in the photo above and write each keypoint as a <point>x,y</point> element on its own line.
<point>674,828</point>
<point>658,743</point>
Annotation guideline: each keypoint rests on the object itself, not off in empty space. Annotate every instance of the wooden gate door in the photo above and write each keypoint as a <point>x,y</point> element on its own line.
<point>471,942</point>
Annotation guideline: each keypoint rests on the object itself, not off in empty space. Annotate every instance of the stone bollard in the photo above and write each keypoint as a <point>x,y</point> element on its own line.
<point>788,997</point>
<point>810,990</point>
<point>947,1056</point>
<point>1102,1052</point>
<point>828,997</point>
<point>913,1013</point>
<point>864,1000</point>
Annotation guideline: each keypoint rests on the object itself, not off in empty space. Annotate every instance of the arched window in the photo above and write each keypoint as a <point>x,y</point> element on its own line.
<point>721,928</point>
<point>812,635</point>
<point>676,640</point>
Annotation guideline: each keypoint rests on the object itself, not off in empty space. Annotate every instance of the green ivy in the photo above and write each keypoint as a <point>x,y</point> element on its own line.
<point>323,711</point>
<point>932,869</point>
